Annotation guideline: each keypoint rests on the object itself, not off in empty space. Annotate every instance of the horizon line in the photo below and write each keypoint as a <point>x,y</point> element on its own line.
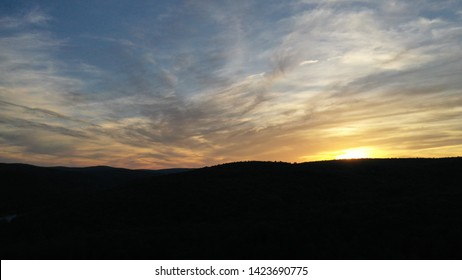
<point>231,162</point>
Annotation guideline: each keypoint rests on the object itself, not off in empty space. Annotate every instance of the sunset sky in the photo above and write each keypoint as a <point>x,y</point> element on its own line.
<point>158,84</point>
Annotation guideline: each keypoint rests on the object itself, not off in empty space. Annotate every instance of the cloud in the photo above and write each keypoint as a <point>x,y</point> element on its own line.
<point>33,17</point>
<point>306,62</point>
<point>211,82</point>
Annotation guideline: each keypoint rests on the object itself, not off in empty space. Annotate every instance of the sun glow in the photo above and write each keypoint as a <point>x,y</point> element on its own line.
<point>353,154</point>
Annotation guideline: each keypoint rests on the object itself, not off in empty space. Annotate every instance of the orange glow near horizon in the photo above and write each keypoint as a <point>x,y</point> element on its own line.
<point>354,154</point>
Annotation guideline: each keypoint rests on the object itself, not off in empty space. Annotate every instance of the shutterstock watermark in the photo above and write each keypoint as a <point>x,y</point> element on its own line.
<point>210,271</point>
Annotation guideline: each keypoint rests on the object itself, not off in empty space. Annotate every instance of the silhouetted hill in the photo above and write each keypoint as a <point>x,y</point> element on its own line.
<point>352,209</point>
<point>26,186</point>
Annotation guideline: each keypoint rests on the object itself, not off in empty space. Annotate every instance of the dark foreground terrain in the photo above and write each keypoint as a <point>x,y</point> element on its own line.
<point>353,209</point>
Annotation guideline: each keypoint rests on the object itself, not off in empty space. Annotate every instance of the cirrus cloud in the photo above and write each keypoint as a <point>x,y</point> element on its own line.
<point>203,83</point>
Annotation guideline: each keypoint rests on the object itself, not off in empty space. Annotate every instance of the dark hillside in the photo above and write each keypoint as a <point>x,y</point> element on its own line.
<point>26,187</point>
<point>353,209</point>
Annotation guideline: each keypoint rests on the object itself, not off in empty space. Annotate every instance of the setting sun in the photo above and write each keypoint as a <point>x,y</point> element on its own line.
<point>353,154</point>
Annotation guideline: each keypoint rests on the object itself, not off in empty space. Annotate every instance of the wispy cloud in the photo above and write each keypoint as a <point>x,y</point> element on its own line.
<point>33,17</point>
<point>205,83</point>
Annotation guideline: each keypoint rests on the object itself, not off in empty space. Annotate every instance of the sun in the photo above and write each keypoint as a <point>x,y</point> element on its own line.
<point>353,154</point>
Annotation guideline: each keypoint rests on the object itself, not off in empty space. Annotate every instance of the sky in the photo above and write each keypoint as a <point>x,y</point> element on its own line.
<point>190,83</point>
